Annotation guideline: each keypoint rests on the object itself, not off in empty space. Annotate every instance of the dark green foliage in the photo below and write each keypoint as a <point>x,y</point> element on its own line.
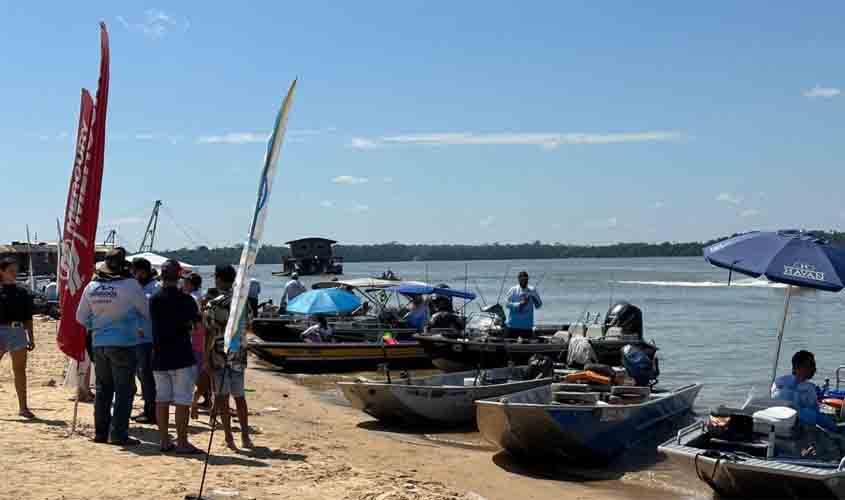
<point>397,252</point>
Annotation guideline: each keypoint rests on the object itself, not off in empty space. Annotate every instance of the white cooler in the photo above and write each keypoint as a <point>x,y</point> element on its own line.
<point>781,418</point>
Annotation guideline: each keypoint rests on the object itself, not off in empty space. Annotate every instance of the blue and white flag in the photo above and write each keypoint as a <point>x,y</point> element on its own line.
<point>237,314</point>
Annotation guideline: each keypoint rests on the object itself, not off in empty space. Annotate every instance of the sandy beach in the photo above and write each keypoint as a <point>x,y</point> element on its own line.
<point>307,448</point>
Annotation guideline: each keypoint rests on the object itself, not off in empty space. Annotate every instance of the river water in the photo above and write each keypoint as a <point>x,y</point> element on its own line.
<point>724,337</point>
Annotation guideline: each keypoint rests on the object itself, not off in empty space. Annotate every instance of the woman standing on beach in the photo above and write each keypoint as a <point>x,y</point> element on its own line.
<point>16,334</point>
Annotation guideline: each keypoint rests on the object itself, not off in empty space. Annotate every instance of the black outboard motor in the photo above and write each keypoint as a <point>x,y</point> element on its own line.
<point>626,316</point>
<point>641,364</point>
<point>540,366</point>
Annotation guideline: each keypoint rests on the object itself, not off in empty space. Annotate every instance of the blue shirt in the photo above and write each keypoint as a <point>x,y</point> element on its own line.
<point>112,310</point>
<point>521,316</point>
<point>804,397</point>
<point>150,289</point>
<point>254,288</point>
<point>417,316</point>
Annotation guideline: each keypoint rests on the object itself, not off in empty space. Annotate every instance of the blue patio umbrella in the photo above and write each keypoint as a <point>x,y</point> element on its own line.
<point>324,301</point>
<point>795,258</point>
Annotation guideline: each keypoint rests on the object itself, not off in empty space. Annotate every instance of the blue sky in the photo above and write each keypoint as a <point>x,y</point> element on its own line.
<point>579,122</point>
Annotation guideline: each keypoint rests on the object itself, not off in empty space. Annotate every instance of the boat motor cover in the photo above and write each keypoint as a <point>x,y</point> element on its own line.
<point>627,317</point>
<point>781,418</point>
<point>638,364</point>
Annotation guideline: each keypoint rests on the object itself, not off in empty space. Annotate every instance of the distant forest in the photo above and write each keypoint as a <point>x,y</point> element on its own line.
<point>398,252</point>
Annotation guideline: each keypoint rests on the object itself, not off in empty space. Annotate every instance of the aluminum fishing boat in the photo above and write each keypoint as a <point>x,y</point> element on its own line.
<point>441,399</point>
<point>533,424</point>
<point>336,356</point>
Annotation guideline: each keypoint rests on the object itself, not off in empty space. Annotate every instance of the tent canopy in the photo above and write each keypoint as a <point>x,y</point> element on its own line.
<point>157,260</point>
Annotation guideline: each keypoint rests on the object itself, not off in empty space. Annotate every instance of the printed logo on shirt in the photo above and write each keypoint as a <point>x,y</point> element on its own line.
<point>103,291</point>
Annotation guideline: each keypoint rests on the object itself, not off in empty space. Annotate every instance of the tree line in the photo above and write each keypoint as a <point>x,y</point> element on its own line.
<point>398,252</point>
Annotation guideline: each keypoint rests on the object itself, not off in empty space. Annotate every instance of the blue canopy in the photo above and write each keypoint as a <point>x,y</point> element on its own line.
<point>416,289</point>
<point>791,257</point>
<point>324,301</point>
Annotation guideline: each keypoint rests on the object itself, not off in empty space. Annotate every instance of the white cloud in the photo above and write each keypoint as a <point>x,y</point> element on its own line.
<point>350,180</point>
<point>608,223</point>
<point>822,92</point>
<point>361,143</point>
<point>544,140</point>
<point>659,204</point>
<point>750,212</point>
<point>327,204</point>
<point>387,180</point>
<point>155,24</point>
<point>234,138</point>
<point>733,199</point>
<point>360,207</point>
<point>487,221</point>
<point>145,137</point>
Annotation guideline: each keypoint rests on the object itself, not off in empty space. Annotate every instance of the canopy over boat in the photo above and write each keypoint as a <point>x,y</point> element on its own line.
<point>411,288</point>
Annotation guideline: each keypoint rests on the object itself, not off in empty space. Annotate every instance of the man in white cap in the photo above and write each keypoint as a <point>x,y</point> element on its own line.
<point>292,288</point>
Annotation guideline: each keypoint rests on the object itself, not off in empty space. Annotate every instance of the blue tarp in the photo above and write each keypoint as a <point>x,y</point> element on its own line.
<point>411,289</point>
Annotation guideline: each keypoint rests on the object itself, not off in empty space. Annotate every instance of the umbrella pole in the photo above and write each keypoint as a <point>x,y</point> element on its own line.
<point>780,331</point>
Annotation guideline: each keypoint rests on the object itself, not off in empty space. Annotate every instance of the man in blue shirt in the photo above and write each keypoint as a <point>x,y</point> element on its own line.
<point>803,394</point>
<point>111,307</point>
<point>521,302</point>
<point>143,271</point>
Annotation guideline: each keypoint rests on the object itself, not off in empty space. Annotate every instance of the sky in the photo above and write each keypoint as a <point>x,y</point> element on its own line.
<point>433,122</point>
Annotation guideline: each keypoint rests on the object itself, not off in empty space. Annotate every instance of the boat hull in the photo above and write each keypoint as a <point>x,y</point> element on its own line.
<point>745,477</point>
<point>289,329</point>
<point>453,405</point>
<point>532,428</point>
<point>338,356</point>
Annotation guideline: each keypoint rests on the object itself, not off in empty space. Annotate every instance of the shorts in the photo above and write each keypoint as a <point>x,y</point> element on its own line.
<point>12,339</point>
<point>176,386</point>
<point>232,385</point>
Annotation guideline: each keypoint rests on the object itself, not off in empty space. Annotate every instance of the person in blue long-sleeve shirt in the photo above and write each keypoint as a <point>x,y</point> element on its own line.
<point>802,393</point>
<point>521,302</point>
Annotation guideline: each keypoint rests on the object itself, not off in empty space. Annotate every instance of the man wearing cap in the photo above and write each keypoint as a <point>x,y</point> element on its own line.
<point>227,368</point>
<point>173,315</point>
<point>521,302</point>
<point>143,271</point>
<point>112,306</point>
<point>293,288</point>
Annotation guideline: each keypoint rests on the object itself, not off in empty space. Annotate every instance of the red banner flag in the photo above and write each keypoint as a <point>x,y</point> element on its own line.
<point>83,208</point>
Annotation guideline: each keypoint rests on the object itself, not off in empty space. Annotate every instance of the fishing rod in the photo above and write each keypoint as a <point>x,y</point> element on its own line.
<point>480,294</point>
<point>502,287</point>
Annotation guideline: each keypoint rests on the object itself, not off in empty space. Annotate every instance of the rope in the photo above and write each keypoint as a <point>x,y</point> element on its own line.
<point>181,228</point>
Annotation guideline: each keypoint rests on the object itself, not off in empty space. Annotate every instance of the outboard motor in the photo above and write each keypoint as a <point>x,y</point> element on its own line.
<point>627,317</point>
<point>540,366</point>
<point>640,364</point>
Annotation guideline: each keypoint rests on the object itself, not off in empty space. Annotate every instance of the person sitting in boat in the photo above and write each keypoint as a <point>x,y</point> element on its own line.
<point>797,388</point>
<point>319,332</point>
<point>417,314</point>
<point>521,302</point>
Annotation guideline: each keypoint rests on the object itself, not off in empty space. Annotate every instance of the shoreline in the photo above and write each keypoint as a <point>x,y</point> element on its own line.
<point>306,448</point>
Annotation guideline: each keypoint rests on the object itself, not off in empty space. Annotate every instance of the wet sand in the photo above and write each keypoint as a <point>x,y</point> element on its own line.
<point>309,446</point>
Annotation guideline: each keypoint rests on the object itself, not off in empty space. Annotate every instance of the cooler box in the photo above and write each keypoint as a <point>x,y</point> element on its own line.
<point>781,417</point>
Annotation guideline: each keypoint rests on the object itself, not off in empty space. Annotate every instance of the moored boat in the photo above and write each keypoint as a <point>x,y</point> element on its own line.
<point>324,356</point>
<point>533,424</point>
<point>483,346</point>
<point>441,399</point>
